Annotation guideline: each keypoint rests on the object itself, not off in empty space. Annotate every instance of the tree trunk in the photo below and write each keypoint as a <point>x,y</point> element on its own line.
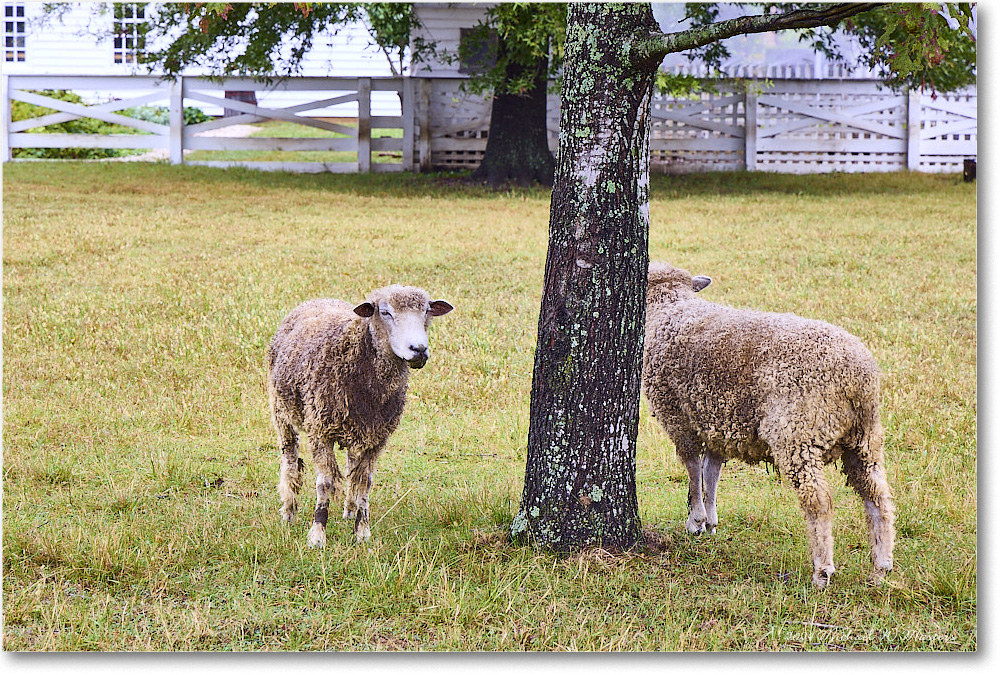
<point>517,149</point>
<point>579,486</point>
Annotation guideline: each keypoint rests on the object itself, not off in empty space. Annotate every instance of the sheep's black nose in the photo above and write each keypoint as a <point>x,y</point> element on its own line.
<point>419,357</point>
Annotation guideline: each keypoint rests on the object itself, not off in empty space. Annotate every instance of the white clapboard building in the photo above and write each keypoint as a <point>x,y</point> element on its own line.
<point>92,38</point>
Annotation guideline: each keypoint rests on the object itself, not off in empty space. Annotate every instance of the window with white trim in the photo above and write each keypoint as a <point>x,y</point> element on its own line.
<point>14,33</point>
<point>130,31</point>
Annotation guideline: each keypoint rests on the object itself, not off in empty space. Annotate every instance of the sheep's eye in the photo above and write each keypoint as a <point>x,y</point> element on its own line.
<point>386,312</point>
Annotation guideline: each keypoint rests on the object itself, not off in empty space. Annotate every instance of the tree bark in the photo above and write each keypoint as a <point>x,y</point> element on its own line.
<point>517,149</point>
<point>579,487</point>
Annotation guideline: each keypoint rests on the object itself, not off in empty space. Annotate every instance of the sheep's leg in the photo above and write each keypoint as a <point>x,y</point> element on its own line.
<point>803,467</point>
<point>290,467</point>
<point>696,503</point>
<point>349,508</point>
<point>359,485</point>
<point>328,482</point>
<point>865,472</point>
<point>711,469</point>
<point>689,452</point>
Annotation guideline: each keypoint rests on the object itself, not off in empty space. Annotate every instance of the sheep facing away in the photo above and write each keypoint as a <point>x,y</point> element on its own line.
<point>338,374</point>
<point>731,383</point>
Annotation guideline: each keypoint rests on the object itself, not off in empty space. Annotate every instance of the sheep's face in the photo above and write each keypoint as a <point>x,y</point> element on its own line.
<point>399,317</point>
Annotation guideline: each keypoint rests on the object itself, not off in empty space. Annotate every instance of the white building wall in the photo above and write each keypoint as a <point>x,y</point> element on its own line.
<point>443,23</point>
<point>78,44</point>
<point>54,47</point>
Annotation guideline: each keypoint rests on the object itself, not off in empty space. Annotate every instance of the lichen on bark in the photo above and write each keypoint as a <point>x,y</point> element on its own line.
<point>580,470</point>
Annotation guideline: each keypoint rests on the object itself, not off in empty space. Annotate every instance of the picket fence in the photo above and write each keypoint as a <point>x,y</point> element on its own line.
<point>797,124</point>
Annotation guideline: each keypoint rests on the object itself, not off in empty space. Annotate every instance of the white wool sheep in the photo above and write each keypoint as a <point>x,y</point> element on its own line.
<point>731,383</point>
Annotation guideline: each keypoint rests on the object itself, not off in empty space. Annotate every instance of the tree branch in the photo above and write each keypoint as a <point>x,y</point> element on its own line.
<point>650,50</point>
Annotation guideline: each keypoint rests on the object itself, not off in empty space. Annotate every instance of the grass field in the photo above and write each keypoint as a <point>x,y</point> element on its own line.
<point>293,130</point>
<point>139,465</point>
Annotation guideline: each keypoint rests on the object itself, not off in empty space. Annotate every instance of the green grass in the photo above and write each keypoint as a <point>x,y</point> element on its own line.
<point>293,130</point>
<point>139,465</point>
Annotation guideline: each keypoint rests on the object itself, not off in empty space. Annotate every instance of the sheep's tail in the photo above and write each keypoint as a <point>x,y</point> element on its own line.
<point>866,437</point>
<point>863,443</point>
<point>269,384</point>
<point>861,381</point>
<point>272,355</point>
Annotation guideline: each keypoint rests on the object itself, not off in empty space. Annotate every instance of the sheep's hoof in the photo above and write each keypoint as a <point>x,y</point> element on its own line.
<point>317,536</point>
<point>821,578</point>
<point>878,576</point>
<point>695,527</point>
<point>287,516</point>
<point>710,529</point>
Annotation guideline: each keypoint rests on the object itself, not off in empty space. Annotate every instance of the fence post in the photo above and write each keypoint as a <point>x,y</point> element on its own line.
<point>424,113</point>
<point>750,129</point>
<point>177,121</point>
<point>913,130</point>
<point>408,121</point>
<point>5,154</point>
<point>364,124</point>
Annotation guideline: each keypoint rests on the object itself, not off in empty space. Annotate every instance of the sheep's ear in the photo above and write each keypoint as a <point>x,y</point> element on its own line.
<point>439,307</point>
<point>365,309</point>
<point>700,283</point>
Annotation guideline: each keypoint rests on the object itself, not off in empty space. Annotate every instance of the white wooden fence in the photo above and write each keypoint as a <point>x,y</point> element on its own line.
<point>177,137</point>
<point>791,125</point>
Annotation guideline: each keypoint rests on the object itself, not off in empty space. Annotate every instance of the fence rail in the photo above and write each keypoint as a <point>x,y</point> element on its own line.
<point>790,125</point>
